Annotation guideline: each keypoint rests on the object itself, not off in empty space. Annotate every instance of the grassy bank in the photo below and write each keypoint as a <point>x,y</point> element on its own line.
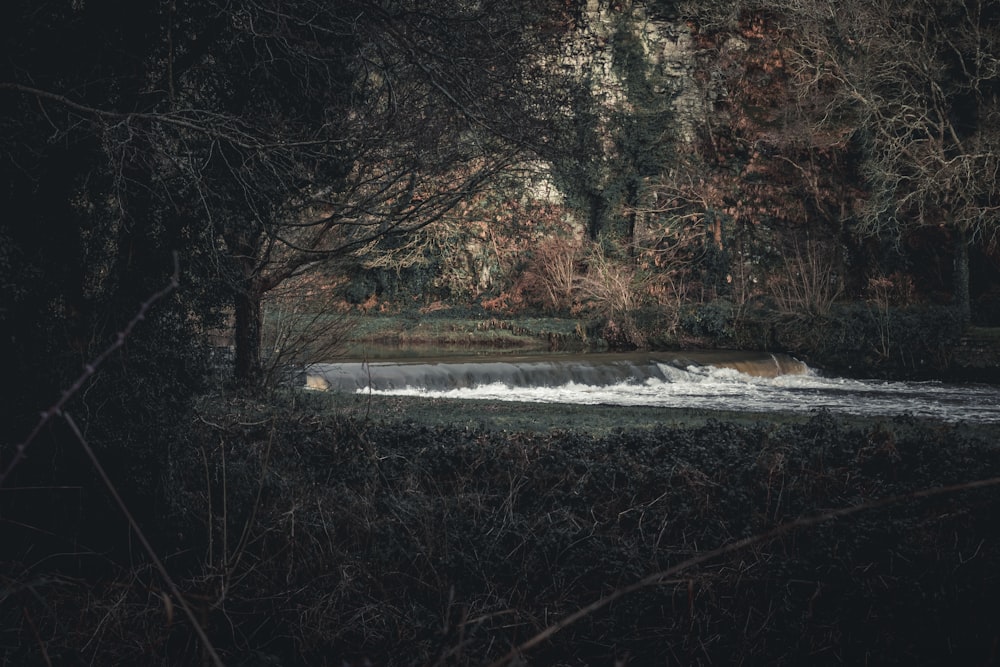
<point>437,533</point>
<point>924,343</point>
<point>533,417</point>
<point>416,334</point>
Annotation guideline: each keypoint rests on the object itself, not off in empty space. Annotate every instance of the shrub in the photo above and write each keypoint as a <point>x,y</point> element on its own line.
<point>553,272</point>
<point>986,309</point>
<point>308,538</point>
<point>909,342</point>
<point>615,289</point>
<point>808,283</point>
<point>302,324</point>
<point>711,323</point>
<point>611,285</point>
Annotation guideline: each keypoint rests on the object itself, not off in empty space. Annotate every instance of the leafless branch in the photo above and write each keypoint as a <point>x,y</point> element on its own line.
<point>88,370</point>
<point>157,563</point>
<point>663,576</point>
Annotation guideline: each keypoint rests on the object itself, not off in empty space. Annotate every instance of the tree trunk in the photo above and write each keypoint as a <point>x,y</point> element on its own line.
<point>246,337</point>
<point>632,201</point>
<point>960,277</point>
<point>596,215</point>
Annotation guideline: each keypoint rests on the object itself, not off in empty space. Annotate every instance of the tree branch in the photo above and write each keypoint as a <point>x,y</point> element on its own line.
<point>88,371</point>
<point>662,576</point>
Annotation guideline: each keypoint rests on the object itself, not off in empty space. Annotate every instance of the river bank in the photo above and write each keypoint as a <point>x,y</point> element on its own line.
<point>537,417</point>
<point>920,344</point>
<point>450,533</point>
<point>314,528</point>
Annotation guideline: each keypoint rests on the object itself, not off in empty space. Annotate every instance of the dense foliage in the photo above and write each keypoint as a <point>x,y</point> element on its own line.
<point>227,150</point>
<point>747,154</point>
<point>723,173</point>
<point>304,539</point>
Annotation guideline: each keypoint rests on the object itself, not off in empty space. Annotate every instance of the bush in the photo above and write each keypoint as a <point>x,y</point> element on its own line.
<point>712,322</point>
<point>552,275</point>
<point>856,337</point>
<point>132,411</point>
<point>302,538</point>
<point>986,309</point>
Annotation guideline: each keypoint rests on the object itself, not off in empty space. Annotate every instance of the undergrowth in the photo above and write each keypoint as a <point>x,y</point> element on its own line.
<point>307,538</point>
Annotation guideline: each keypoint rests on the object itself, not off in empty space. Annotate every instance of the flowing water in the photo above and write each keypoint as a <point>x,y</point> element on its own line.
<point>709,380</point>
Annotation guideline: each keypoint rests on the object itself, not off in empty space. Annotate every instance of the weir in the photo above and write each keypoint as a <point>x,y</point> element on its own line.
<point>598,370</point>
<point>728,381</point>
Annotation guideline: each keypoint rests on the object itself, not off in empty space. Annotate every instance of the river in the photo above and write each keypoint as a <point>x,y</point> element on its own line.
<point>725,381</point>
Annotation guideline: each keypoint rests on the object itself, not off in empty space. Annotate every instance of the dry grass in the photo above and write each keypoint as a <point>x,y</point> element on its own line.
<point>553,273</point>
<point>302,538</point>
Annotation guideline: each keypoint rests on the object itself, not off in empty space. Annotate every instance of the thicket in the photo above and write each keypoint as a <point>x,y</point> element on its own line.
<point>756,170</point>
<point>303,537</point>
<point>851,338</point>
<point>915,342</point>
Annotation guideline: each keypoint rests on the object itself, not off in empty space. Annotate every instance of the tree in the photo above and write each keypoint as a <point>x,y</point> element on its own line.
<point>253,142</point>
<point>271,137</point>
<point>442,92</point>
<point>920,83</point>
<point>87,236</point>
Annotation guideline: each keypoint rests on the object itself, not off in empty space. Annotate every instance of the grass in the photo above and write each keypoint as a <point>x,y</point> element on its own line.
<point>311,529</point>
<point>435,334</point>
<point>319,529</point>
<point>991,334</point>
<point>535,417</point>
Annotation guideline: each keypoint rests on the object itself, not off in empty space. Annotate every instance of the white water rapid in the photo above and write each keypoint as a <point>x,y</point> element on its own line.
<point>709,381</point>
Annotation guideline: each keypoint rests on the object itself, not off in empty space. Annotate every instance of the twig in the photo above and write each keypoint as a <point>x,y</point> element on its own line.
<point>168,580</point>
<point>188,119</point>
<point>232,562</point>
<point>88,370</point>
<point>38,637</point>
<point>661,577</point>
<point>57,410</point>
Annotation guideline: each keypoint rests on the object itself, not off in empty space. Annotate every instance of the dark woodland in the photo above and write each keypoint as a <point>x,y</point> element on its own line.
<point>200,197</point>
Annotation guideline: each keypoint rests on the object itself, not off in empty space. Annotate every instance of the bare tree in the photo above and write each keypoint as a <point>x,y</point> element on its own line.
<point>416,118</point>
<point>291,133</point>
<point>920,83</point>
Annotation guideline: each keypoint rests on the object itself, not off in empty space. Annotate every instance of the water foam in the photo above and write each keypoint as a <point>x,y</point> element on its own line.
<point>662,383</point>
